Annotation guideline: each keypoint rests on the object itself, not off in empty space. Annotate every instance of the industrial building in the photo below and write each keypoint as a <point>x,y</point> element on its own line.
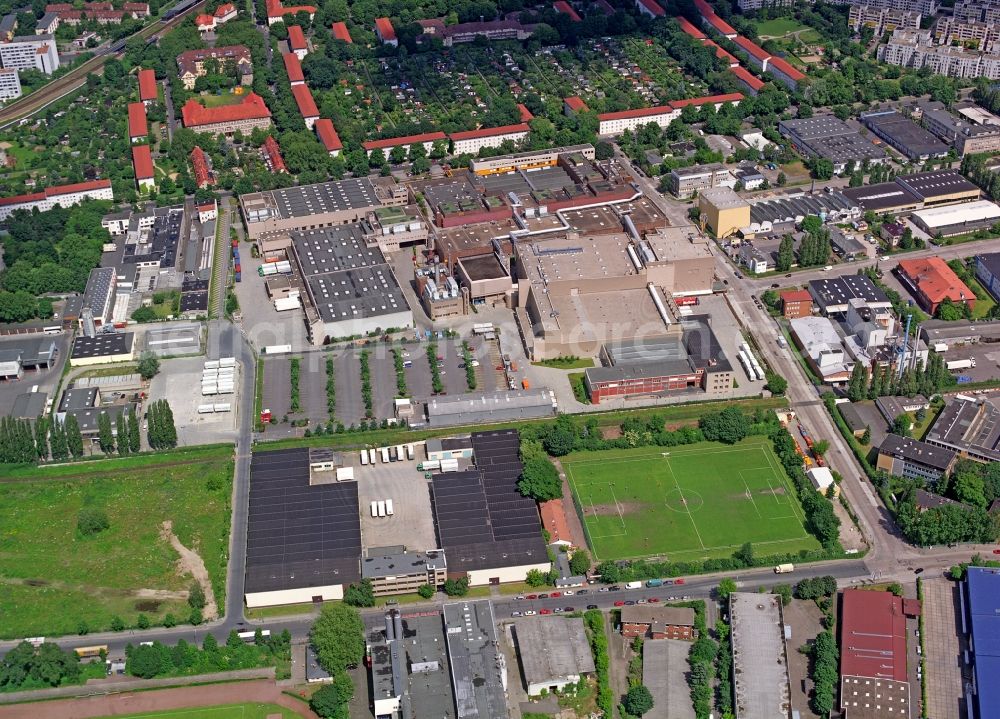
<point>959,333</point>
<point>686,182</point>
<point>26,353</point>
<point>103,348</point>
<point>873,675</point>
<point>827,137</point>
<point>760,664</point>
<point>796,303</point>
<point>913,459</point>
<point>665,668</point>
<point>968,427</point>
<point>904,135</point>
<point>833,295</point>
<point>485,408</point>
<point>303,534</point>
<point>552,654</point>
<point>658,621</point>
<point>981,624</point>
<point>478,668</point>
<point>932,282</point>
<point>988,272</point>
<point>965,135</point>
<point>448,448</point>
<point>724,211</point>
<point>317,206</point>
<point>957,219</point>
<point>489,531</point>
<point>687,358</point>
<point>817,337</point>
<point>783,214</point>
<point>410,670</point>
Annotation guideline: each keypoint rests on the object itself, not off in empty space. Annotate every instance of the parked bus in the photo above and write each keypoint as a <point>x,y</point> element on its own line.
<point>249,637</point>
<point>89,652</point>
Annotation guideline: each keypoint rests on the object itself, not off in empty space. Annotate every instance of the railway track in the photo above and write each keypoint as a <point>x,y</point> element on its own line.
<point>77,77</point>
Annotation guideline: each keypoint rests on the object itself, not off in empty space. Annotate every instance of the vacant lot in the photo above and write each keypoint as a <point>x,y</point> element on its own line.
<point>704,500</point>
<point>53,578</point>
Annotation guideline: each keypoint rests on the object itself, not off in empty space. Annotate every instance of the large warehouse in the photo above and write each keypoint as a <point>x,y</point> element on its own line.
<point>303,534</point>
<point>957,219</point>
<point>827,137</point>
<point>489,530</point>
<point>982,603</point>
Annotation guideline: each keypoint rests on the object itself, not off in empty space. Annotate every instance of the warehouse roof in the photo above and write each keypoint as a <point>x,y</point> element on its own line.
<point>830,138</point>
<point>968,426</point>
<point>883,196</point>
<point>480,407</point>
<point>913,450</point>
<point>951,215</point>
<point>332,249</point>
<point>904,134</point>
<point>983,592</point>
<point>791,208</point>
<point>761,673</point>
<point>308,200</point>
<point>552,650</point>
<point>367,291</point>
<point>833,293</point>
<point>29,405</point>
<point>935,279</point>
<point>105,344</point>
<point>299,535</point>
<point>872,635</point>
<point>937,183</point>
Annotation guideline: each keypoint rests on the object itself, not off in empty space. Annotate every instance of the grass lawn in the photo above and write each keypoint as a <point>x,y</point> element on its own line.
<point>227,711</point>
<point>53,579</point>
<point>779,27</point>
<point>226,98</point>
<point>688,503</point>
<point>566,363</point>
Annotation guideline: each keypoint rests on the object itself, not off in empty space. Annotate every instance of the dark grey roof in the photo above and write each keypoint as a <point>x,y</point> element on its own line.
<point>194,285</point>
<point>78,398</point>
<point>972,427</point>
<point>991,262</point>
<point>840,290</point>
<point>882,196</point>
<point>31,350</point>
<point>483,521</point>
<point>332,249</point>
<point>937,183</point>
<point>402,563</point>
<point>161,241</point>
<point>88,417</point>
<point>903,134</point>
<point>357,293</point>
<point>104,344</point>
<point>100,285</point>
<point>299,535</point>
<point>856,422</point>
<point>324,197</point>
<point>929,500</point>
<point>194,301</point>
<point>29,405</point>
<point>917,452</point>
<point>828,137</point>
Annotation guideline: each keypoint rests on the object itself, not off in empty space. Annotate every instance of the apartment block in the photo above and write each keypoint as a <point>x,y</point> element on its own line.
<point>982,36</point>
<point>30,52</point>
<point>10,84</point>
<point>916,49</point>
<point>965,136</point>
<point>881,19</point>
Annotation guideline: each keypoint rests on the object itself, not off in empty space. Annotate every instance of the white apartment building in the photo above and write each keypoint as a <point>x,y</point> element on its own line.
<point>471,141</point>
<point>984,11</point>
<point>882,20</point>
<point>907,48</point>
<point>615,123</point>
<point>64,195</point>
<point>986,36</point>
<point>10,84</point>
<point>30,52</point>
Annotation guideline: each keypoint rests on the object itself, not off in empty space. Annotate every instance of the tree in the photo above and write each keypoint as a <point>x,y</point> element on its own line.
<point>105,434</point>
<point>91,521</point>
<point>745,554</point>
<point>328,701</point>
<point>457,587</point>
<point>901,425</point>
<point>728,426</point>
<point>149,365</point>
<point>133,433</point>
<point>866,438</point>
<point>57,440</point>
<point>361,594</point>
<point>579,562</point>
<point>196,596</point>
<point>558,441</point>
<point>74,439</point>
<point>776,384</point>
<point>426,591</point>
<point>726,587</point>
<point>821,447</point>
<point>41,437</point>
<point>638,700</point>
<point>540,480</point>
<point>857,386</point>
<point>782,180</point>
<point>786,254</point>
<point>121,429</point>
<point>535,578</point>
<point>338,637</point>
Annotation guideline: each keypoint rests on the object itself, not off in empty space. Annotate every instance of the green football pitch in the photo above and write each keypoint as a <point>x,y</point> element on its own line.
<point>227,711</point>
<point>687,503</point>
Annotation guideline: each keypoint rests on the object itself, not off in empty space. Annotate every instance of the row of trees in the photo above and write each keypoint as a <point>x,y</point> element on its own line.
<point>158,660</point>
<point>886,382</point>
<point>338,638</point>
<point>25,667</point>
<point>161,433</point>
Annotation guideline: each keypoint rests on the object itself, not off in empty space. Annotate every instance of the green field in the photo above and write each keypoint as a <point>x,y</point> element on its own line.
<point>779,27</point>
<point>687,503</point>
<point>228,711</point>
<point>52,578</point>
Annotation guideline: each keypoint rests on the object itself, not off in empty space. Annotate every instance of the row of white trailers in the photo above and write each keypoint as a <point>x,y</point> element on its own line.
<point>215,408</point>
<point>399,453</point>
<point>382,508</point>
<point>750,363</point>
<point>218,377</point>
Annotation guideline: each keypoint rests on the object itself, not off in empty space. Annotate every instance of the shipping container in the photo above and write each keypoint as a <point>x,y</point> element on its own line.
<point>449,465</point>
<point>388,507</point>
<point>374,509</point>
<point>409,451</point>
<point>385,454</point>
<point>401,453</point>
<point>227,362</point>
<point>429,464</point>
<point>393,457</point>
<point>364,456</point>
<point>381,508</point>
<point>371,456</point>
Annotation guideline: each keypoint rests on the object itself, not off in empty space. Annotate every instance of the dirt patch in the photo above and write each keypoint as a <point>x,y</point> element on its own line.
<point>674,426</point>
<point>774,491</point>
<point>190,562</point>
<point>36,582</point>
<point>596,510</point>
<point>147,605</point>
<point>158,596</point>
<point>613,432</point>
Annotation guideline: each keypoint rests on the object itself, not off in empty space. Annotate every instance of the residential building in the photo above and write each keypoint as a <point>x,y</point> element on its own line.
<point>272,155</point>
<point>470,142</point>
<point>906,136</point>
<point>10,84</point>
<point>138,128</point>
<point>386,145</point>
<point>615,123</point>
<point>62,195</point>
<point>293,68</point>
<point>932,281</point>
<point>203,176</point>
<point>297,42</point>
<point>724,212</point>
<point>984,11</point>
<point>553,655</point>
<point>276,12</point>
<point>966,137</point>
<point>650,8</point>
<point>657,621</point>
<point>327,134</point>
<point>916,49</point>
<point>228,59</point>
<point>688,181</point>
<point>826,137</point>
<point>574,105</point>
<point>921,7</point>
<point>981,625</point>
<point>760,661</point>
<point>796,303</point>
<point>148,93</point>
<point>142,165</point>
<point>306,104</point>
<point>957,219</point>
<point>249,114</point>
<point>469,31</point>
<point>750,82</point>
<point>393,570</point>
<point>882,19</point>
<point>47,24</point>
<point>969,427</point>
<point>988,272</point>
<point>532,160</point>
<point>30,52</point>
<point>913,459</point>
<point>873,676</point>
<point>979,35</point>
<point>340,32</point>
<point>749,177</point>
<point>385,31</point>
<point>713,21</point>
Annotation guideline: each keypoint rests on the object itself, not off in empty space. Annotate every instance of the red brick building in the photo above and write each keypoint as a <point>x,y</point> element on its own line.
<point>933,282</point>
<point>658,622</point>
<point>796,303</point>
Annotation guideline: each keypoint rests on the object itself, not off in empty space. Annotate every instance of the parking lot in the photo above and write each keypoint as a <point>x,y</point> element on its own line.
<point>412,523</point>
<point>179,382</point>
<point>263,324</point>
<point>986,356</point>
<point>173,339</point>
<point>46,380</point>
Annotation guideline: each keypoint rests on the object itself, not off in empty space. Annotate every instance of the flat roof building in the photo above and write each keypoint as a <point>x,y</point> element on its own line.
<point>685,182</point>
<point>904,135</point>
<point>484,408</point>
<point>829,138</point>
<point>818,338</point>
<point>552,654</point>
<point>833,295</point>
<point>103,348</point>
<point>26,353</point>
<point>981,592</point>
<point>796,303</point>
<point>913,459</point>
<point>61,195</point>
<point>970,428</point>
<point>959,333</point>
<point>957,219</point>
<point>395,571</point>
<point>760,665</point>
<point>478,670</point>
<point>490,532</point>
<point>303,539</point>
<point>725,212</point>
<point>28,405</point>
<point>932,282</point>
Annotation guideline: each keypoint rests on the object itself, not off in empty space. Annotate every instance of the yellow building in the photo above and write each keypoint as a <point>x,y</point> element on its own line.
<point>724,211</point>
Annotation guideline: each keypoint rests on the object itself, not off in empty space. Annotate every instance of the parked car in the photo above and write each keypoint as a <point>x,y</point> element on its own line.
<point>555,595</point>
<point>619,603</point>
<point>532,596</point>
<point>591,606</point>
<point>515,614</point>
<point>558,610</point>
<point>545,611</point>
<point>530,613</point>
<point>654,600</point>
<point>543,596</point>
<point>519,596</point>
<point>629,603</point>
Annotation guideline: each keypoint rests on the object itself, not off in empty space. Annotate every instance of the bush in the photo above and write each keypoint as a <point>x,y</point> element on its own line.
<point>594,620</point>
<point>426,591</point>
<point>457,587</point>
<point>638,701</point>
<point>91,521</point>
<point>196,597</point>
<point>360,595</point>
<point>117,624</point>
